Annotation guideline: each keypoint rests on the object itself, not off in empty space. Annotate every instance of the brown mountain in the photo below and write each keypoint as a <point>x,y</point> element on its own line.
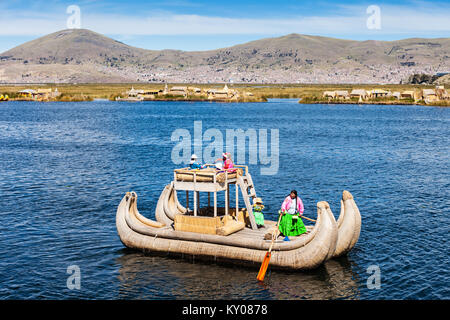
<point>86,56</point>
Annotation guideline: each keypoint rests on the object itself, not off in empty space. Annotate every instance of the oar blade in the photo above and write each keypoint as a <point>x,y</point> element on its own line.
<point>264,266</point>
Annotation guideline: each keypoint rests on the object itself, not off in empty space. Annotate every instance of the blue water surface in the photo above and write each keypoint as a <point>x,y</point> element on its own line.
<point>64,168</point>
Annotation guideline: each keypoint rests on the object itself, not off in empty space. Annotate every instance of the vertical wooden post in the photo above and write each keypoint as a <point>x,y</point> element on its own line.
<point>195,194</point>
<point>195,204</point>
<point>227,199</point>
<point>215,197</point>
<point>227,193</point>
<point>187,201</point>
<point>209,199</point>
<point>215,203</point>
<point>237,200</point>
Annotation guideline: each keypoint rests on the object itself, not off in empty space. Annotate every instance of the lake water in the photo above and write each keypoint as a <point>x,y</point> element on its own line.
<point>66,166</point>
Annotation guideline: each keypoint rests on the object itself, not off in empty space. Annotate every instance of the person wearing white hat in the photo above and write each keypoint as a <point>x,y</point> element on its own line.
<point>227,162</point>
<point>193,164</point>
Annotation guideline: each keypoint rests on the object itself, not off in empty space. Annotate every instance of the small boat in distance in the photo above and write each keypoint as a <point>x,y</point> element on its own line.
<point>230,234</point>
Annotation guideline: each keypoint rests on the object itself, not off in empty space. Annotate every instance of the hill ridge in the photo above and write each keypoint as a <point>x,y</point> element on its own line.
<point>81,55</point>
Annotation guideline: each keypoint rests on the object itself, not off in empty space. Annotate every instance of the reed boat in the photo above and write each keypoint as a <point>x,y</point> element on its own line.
<point>230,234</point>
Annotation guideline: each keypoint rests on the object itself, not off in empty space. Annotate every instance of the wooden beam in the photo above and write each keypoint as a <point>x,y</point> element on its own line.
<point>195,204</point>
<point>215,204</point>
<point>237,200</point>
<point>187,200</point>
<point>227,199</point>
<point>215,197</point>
<point>199,186</point>
<point>195,195</point>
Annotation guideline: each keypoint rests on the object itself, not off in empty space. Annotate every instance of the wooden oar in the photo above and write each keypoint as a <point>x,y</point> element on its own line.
<point>308,218</point>
<point>265,262</point>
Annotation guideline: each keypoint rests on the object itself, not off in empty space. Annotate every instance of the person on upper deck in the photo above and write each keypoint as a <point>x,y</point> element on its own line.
<point>194,164</point>
<point>292,208</point>
<point>227,162</point>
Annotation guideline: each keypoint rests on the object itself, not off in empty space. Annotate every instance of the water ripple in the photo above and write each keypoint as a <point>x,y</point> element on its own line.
<point>66,166</point>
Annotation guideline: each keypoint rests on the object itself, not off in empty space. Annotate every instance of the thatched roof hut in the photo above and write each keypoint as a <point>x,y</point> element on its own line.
<point>342,94</point>
<point>178,91</point>
<point>408,94</point>
<point>356,93</point>
<point>329,94</point>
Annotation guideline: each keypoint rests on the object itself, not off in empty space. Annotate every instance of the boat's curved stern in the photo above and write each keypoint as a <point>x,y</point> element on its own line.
<point>349,225</point>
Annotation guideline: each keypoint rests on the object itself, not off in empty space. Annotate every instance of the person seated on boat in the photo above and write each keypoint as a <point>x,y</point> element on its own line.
<point>227,162</point>
<point>257,212</point>
<point>292,208</point>
<point>194,164</point>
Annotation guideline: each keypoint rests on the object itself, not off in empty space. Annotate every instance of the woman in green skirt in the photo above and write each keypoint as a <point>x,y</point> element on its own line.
<point>292,208</point>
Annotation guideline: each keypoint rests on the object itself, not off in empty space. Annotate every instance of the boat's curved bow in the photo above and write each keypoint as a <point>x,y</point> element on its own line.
<point>349,225</point>
<point>306,252</point>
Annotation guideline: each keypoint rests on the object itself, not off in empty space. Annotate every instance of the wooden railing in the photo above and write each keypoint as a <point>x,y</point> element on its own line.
<point>211,174</point>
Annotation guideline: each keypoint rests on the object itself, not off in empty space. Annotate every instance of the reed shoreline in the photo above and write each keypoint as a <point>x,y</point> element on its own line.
<point>306,93</point>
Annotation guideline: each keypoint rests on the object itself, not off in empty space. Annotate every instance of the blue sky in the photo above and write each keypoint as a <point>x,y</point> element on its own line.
<point>202,25</point>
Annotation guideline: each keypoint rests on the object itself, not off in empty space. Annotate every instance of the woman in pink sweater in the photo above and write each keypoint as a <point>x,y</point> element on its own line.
<point>227,162</point>
<point>292,208</point>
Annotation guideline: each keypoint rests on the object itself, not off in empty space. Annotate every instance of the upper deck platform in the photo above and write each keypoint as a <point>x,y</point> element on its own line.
<point>209,179</point>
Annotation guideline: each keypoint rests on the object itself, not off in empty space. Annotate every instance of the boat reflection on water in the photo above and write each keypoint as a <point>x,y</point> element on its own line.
<point>333,280</point>
<point>154,277</point>
<point>341,277</point>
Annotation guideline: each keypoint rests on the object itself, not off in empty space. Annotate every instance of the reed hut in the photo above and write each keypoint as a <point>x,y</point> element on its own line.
<point>329,94</point>
<point>44,94</point>
<point>224,93</point>
<point>442,93</point>
<point>396,94</point>
<point>132,95</point>
<point>27,93</point>
<point>195,91</point>
<point>429,95</point>
<point>342,94</point>
<point>178,91</point>
<point>408,94</point>
<point>359,93</point>
<point>378,93</point>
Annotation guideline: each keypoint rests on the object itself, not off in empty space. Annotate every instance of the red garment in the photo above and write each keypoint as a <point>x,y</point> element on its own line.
<point>228,164</point>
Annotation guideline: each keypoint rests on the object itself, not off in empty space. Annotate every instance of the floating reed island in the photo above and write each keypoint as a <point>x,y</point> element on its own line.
<point>234,93</point>
<point>189,93</point>
<point>426,96</point>
<point>231,234</point>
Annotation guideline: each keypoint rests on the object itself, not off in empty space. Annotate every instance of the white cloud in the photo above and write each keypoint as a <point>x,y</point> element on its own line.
<point>394,20</point>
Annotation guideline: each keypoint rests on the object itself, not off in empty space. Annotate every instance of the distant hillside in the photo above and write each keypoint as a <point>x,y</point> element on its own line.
<point>86,56</point>
<point>444,80</point>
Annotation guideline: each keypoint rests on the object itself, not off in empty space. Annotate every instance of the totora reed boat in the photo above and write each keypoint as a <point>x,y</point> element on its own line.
<point>230,234</point>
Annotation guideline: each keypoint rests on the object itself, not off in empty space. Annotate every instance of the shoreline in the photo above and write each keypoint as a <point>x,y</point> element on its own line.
<point>384,103</point>
<point>400,103</point>
<point>306,93</point>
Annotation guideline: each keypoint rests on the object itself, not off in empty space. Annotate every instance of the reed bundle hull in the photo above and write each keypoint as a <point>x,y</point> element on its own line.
<point>325,240</point>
